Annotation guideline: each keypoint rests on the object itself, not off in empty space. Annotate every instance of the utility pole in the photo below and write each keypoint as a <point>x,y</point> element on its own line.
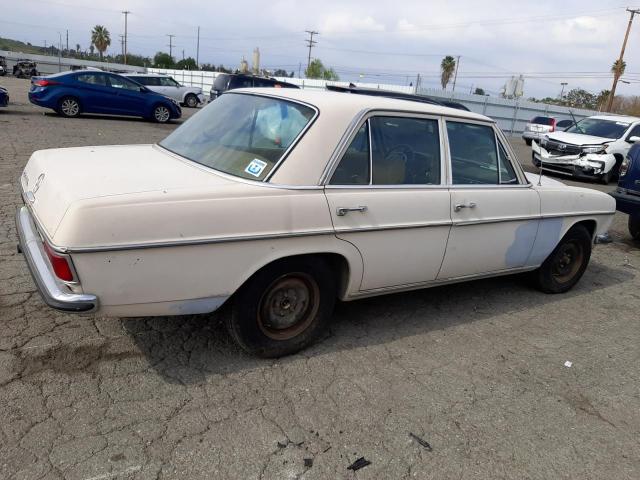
<point>170,44</point>
<point>455,75</point>
<point>616,77</point>
<point>122,45</point>
<point>310,43</point>
<point>124,49</point>
<point>564,84</point>
<point>198,50</point>
<point>60,52</point>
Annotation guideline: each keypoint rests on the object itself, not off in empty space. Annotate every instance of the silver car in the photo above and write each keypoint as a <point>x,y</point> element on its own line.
<point>164,84</point>
<point>540,126</point>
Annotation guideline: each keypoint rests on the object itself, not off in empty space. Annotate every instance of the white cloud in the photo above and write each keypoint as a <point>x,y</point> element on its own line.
<point>349,23</point>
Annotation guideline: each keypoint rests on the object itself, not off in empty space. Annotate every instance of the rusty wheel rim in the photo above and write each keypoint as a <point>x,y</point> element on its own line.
<point>288,306</point>
<point>567,261</point>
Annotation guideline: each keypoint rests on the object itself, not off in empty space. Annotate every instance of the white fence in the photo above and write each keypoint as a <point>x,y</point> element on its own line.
<point>511,115</point>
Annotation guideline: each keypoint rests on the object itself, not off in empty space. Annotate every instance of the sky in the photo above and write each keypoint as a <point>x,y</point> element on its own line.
<point>547,41</point>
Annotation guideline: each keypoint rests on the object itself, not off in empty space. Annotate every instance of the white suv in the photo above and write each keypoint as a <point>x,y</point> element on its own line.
<point>594,147</point>
<point>164,84</point>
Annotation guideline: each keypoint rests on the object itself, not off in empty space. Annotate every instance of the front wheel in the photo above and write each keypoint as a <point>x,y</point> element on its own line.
<point>566,264</point>
<point>191,101</point>
<point>283,308</point>
<point>634,226</point>
<point>69,107</point>
<point>161,114</point>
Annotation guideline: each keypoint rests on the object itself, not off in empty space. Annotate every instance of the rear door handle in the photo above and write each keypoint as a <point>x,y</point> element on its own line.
<point>342,211</point>
<point>459,206</point>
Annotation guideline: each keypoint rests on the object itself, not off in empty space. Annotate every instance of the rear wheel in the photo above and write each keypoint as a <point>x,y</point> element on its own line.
<point>69,107</point>
<point>283,308</point>
<point>191,101</point>
<point>161,114</point>
<point>566,264</point>
<point>634,226</point>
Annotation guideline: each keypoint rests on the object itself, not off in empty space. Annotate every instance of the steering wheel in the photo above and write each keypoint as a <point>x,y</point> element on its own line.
<point>403,151</point>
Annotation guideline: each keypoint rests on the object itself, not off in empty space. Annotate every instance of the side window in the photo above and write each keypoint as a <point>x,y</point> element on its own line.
<point>634,132</point>
<point>150,81</point>
<point>122,83</point>
<point>241,82</point>
<point>473,154</point>
<point>507,173</point>
<point>405,151</point>
<point>93,79</point>
<point>167,82</point>
<point>353,168</point>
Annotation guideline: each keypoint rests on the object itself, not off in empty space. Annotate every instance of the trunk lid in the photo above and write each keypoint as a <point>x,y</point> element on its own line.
<point>54,179</point>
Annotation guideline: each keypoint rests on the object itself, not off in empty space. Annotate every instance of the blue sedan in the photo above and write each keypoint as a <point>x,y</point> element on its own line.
<point>89,91</point>
<point>4,97</point>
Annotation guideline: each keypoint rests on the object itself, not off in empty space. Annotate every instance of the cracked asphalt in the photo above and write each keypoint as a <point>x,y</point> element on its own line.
<point>475,369</point>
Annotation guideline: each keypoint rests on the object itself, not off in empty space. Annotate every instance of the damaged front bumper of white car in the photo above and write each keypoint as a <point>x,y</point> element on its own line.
<point>579,164</point>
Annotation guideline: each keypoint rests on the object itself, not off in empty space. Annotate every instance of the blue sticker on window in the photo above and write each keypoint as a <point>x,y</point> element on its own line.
<point>256,167</point>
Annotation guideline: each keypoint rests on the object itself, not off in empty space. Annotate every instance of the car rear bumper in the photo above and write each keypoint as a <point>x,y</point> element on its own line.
<point>626,202</point>
<point>54,293</point>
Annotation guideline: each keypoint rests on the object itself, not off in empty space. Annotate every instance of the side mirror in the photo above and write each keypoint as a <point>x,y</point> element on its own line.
<point>633,139</point>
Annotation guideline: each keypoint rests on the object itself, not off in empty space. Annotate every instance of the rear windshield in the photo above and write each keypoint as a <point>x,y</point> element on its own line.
<point>239,134</point>
<point>221,82</point>
<point>599,128</point>
<point>542,120</point>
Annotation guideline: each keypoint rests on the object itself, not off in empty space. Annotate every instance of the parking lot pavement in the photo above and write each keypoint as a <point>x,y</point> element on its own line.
<point>477,370</point>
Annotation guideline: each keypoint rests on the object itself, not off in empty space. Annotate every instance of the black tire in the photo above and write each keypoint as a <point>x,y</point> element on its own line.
<point>634,226</point>
<point>605,178</point>
<point>269,316</point>
<point>191,101</point>
<point>161,113</point>
<point>69,107</point>
<point>566,264</point>
<point>528,141</point>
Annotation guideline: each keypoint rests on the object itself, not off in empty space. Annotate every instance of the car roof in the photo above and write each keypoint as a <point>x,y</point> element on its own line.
<point>617,118</point>
<point>138,74</point>
<point>353,104</point>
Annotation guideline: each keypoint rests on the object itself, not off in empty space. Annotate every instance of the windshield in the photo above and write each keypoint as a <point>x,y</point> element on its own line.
<point>599,128</point>
<point>239,134</point>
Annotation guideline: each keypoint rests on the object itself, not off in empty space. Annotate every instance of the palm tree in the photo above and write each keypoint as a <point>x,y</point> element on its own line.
<point>101,38</point>
<point>618,68</point>
<point>447,67</point>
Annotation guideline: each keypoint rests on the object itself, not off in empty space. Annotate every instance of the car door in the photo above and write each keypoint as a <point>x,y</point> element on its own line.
<point>495,211</point>
<point>129,99</point>
<point>170,88</point>
<point>387,197</point>
<point>93,92</point>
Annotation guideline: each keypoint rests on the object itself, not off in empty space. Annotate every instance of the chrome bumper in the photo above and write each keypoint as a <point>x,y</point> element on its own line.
<point>53,292</point>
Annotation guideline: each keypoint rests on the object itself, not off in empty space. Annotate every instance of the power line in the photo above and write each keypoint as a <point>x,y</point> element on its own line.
<point>310,43</point>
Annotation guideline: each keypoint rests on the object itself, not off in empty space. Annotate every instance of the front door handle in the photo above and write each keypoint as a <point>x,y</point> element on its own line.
<point>342,211</point>
<point>459,206</point>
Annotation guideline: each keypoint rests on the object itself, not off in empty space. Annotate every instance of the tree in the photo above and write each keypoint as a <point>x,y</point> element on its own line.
<point>280,73</point>
<point>188,63</point>
<point>578,97</point>
<point>77,48</point>
<point>479,91</point>
<point>447,67</point>
<point>602,98</point>
<point>101,38</point>
<point>163,60</point>
<point>317,70</point>
<point>618,68</point>
<point>91,48</point>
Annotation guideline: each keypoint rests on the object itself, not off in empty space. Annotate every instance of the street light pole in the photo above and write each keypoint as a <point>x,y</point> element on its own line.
<point>564,84</point>
<point>126,13</point>
<point>616,77</point>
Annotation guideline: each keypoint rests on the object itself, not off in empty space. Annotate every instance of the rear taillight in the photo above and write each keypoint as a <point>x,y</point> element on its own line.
<point>59,263</point>
<point>553,124</point>
<point>45,83</point>
<point>624,166</point>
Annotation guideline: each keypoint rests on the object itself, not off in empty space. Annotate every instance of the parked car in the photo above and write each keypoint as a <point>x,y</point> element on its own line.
<point>539,126</point>
<point>231,81</point>
<point>25,69</point>
<point>627,194</point>
<point>4,97</point>
<point>166,85</point>
<point>93,91</point>
<point>3,66</point>
<point>280,202</point>
<point>592,148</point>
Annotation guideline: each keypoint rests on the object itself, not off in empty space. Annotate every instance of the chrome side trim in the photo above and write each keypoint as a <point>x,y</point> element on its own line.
<point>393,227</point>
<point>51,290</point>
<point>435,283</point>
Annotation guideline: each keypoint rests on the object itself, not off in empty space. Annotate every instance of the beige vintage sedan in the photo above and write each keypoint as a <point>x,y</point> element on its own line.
<point>282,201</point>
